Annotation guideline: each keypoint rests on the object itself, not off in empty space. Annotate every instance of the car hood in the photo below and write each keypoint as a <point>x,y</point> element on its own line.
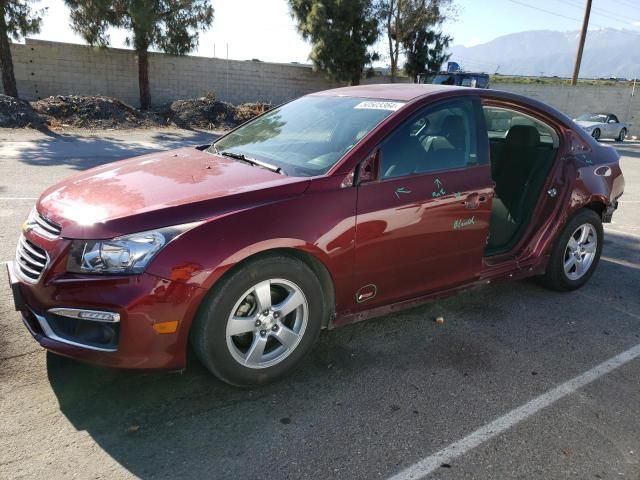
<point>160,189</point>
<point>586,124</point>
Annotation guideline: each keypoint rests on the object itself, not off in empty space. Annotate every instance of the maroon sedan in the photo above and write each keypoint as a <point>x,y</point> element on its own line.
<point>336,207</point>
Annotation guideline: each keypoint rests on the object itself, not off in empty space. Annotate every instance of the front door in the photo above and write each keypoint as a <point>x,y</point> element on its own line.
<point>612,126</point>
<point>423,225</point>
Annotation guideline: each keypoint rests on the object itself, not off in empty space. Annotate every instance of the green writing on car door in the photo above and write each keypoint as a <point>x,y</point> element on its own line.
<point>464,222</point>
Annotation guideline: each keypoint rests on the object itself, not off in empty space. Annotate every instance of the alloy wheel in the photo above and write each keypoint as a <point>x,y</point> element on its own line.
<point>580,251</point>
<point>267,323</point>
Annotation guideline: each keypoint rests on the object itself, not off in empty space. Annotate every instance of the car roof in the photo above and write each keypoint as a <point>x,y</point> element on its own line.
<point>390,91</point>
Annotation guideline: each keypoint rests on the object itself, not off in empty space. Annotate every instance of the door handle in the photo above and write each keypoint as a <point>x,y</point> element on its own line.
<point>474,200</point>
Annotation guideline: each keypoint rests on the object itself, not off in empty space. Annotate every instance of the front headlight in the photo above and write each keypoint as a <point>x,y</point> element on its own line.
<point>129,254</point>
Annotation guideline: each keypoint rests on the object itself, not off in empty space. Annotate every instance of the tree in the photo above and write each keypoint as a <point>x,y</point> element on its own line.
<point>403,20</point>
<point>425,51</point>
<point>341,33</point>
<point>168,25</point>
<point>438,53</point>
<point>17,20</point>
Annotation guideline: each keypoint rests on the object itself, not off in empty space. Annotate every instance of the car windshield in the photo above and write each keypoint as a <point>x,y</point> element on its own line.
<point>592,117</point>
<point>308,136</point>
<point>445,80</point>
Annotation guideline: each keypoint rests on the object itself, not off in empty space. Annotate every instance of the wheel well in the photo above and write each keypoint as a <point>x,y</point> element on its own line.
<point>321,271</point>
<point>597,207</point>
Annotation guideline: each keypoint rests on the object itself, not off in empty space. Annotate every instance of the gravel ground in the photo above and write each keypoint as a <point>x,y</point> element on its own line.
<point>372,399</point>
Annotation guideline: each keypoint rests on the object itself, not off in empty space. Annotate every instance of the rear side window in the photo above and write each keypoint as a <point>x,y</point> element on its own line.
<point>483,82</point>
<point>500,120</point>
<point>440,137</point>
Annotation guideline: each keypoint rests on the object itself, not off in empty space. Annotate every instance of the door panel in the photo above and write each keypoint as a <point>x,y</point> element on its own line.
<point>421,233</point>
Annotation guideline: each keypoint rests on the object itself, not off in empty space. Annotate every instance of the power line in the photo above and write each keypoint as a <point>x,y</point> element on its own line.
<point>627,3</point>
<point>601,12</point>
<point>551,13</point>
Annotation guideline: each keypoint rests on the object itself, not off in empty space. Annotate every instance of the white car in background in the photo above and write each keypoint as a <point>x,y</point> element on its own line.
<point>603,125</point>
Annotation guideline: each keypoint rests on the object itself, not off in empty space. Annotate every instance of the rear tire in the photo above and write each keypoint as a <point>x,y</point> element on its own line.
<point>258,323</point>
<point>576,252</point>
<point>622,136</point>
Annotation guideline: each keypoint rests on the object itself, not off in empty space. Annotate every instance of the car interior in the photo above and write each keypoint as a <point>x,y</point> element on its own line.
<point>442,139</point>
<point>522,152</point>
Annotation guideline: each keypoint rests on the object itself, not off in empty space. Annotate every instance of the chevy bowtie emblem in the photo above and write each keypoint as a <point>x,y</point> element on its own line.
<point>28,225</point>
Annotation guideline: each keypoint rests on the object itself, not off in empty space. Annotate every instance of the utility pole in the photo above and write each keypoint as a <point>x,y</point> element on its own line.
<point>583,36</point>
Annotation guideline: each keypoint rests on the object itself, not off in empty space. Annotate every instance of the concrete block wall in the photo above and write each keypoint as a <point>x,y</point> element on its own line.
<point>50,68</point>
<point>583,99</point>
<point>44,68</point>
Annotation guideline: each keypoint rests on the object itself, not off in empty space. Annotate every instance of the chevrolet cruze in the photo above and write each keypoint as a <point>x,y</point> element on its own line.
<point>333,208</point>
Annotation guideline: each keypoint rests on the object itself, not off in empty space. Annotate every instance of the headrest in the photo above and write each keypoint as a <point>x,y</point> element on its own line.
<point>523,136</point>
<point>454,130</point>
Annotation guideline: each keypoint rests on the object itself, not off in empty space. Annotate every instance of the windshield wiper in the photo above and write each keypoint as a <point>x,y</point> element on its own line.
<point>252,161</point>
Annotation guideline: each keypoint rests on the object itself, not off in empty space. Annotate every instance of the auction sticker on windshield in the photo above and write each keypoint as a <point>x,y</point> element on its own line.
<point>372,105</point>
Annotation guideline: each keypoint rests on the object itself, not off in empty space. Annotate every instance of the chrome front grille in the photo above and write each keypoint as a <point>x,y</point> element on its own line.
<point>43,226</point>
<point>31,260</point>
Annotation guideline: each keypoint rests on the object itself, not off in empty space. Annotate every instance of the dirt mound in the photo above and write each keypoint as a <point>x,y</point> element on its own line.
<point>207,112</point>
<point>100,112</point>
<point>246,111</point>
<point>94,112</point>
<point>16,113</point>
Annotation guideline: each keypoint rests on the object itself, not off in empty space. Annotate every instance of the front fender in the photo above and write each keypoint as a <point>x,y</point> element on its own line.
<point>320,223</point>
<point>263,247</point>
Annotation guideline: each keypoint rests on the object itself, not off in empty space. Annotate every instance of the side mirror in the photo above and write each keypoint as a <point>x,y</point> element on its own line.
<point>612,121</point>
<point>369,168</point>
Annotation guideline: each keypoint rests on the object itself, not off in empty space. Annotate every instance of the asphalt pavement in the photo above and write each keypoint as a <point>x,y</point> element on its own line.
<point>519,382</point>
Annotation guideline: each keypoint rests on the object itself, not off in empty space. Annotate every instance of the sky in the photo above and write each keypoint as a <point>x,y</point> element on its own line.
<point>264,29</point>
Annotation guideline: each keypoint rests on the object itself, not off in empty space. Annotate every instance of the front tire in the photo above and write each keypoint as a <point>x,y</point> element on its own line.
<point>258,323</point>
<point>576,252</point>
<point>622,136</point>
<point>596,134</point>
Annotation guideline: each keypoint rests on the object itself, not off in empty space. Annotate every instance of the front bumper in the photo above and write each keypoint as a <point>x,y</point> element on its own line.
<point>607,215</point>
<point>139,301</point>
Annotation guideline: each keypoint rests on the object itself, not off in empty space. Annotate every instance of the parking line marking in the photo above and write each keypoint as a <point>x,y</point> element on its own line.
<point>623,263</point>
<point>635,235</point>
<point>433,462</point>
<point>18,198</point>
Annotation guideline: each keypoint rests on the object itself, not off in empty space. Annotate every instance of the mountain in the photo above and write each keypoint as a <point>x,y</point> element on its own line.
<point>607,53</point>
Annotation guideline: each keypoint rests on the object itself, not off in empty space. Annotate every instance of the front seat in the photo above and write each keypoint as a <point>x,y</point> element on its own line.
<point>402,154</point>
